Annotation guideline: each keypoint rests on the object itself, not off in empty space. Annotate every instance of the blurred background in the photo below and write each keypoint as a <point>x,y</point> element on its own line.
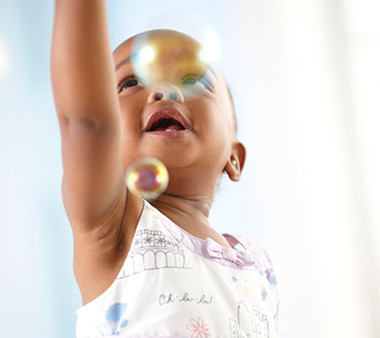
<point>305,77</point>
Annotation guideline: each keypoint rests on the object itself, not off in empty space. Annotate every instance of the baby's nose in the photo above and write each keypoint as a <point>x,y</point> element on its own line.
<point>165,93</point>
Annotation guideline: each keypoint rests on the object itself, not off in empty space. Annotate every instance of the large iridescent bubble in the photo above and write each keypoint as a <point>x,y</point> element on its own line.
<point>147,178</point>
<point>170,61</point>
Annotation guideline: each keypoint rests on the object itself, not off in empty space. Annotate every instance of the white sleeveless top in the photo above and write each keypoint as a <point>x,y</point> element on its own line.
<point>173,284</point>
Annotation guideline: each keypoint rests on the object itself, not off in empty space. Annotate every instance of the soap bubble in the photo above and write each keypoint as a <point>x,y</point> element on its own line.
<point>165,58</point>
<point>147,178</point>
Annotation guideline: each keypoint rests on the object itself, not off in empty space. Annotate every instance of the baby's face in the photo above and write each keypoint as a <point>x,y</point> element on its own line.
<point>178,111</point>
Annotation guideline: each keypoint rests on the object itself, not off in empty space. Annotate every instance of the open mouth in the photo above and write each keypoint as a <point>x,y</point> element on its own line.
<point>167,120</point>
<point>167,124</point>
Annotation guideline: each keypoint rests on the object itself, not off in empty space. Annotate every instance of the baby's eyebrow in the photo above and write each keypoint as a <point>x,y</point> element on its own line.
<point>123,62</point>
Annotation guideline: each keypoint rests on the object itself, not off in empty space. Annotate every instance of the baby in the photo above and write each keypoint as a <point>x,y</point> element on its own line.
<point>155,268</point>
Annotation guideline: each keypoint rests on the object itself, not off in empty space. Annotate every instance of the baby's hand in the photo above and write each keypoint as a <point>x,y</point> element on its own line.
<point>81,63</point>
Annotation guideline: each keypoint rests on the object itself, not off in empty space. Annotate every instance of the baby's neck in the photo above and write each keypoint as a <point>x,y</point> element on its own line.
<point>195,207</point>
<point>191,214</point>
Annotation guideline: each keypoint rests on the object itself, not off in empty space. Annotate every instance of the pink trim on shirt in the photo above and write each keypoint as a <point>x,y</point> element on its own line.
<point>251,259</point>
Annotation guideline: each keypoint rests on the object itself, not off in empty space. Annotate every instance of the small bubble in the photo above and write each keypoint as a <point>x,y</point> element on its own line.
<point>147,178</point>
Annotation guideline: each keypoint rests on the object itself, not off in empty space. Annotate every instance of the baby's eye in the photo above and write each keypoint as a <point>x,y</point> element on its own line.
<point>130,82</point>
<point>194,80</point>
<point>189,81</point>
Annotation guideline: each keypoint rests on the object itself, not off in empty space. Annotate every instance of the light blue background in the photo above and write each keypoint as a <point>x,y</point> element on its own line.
<point>305,78</point>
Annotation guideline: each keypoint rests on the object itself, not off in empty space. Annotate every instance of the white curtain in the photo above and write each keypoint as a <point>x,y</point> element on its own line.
<point>308,80</point>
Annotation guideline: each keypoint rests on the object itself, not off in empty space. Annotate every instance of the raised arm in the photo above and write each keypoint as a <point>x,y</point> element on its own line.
<point>93,188</point>
<point>84,88</point>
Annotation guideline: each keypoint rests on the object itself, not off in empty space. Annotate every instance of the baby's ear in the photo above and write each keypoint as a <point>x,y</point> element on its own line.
<point>235,164</point>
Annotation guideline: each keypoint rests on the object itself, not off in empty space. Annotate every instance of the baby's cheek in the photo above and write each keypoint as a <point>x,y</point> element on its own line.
<point>219,143</point>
